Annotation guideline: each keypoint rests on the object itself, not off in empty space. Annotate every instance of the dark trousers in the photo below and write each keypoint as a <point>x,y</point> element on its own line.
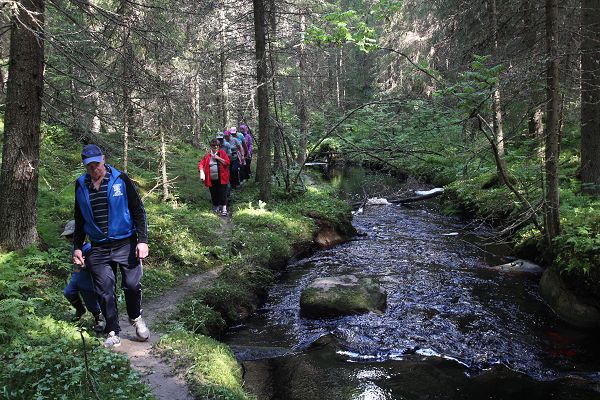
<point>103,262</point>
<point>81,284</point>
<point>247,168</point>
<point>235,171</point>
<point>218,193</point>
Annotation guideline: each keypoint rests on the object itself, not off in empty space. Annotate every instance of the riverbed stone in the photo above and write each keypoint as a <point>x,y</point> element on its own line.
<point>342,295</point>
<point>565,303</point>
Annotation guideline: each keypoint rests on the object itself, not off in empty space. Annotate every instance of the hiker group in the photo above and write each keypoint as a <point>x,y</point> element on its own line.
<point>109,232</point>
<point>226,165</point>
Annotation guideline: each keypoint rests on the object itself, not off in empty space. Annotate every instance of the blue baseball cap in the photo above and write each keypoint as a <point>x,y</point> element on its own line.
<point>91,153</point>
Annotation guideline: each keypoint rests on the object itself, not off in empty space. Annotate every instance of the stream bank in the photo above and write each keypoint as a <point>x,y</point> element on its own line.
<point>453,328</point>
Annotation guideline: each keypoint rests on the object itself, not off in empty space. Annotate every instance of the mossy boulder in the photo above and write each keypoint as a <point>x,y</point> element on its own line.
<point>566,304</point>
<point>342,295</point>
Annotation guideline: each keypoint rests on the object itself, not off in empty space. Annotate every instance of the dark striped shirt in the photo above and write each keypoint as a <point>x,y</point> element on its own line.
<point>99,201</point>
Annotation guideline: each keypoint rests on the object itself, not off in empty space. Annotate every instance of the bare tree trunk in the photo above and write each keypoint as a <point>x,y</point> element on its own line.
<point>127,65</point>
<point>21,150</point>
<point>552,201</point>
<point>163,162</point>
<point>196,111</point>
<point>263,166</point>
<point>590,97</point>
<point>96,123</point>
<point>496,101</point>
<point>302,114</point>
<point>277,135</point>
<point>341,88</point>
<point>1,73</point>
<point>223,65</point>
<point>338,90</point>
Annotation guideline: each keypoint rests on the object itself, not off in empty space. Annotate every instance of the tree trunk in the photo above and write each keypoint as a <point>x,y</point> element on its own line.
<point>277,135</point>
<point>196,111</point>
<point>127,83</point>
<point>223,64</point>
<point>263,167</point>
<point>21,151</point>
<point>496,101</point>
<point>552,212</point>
<point>590,97</point>
<point>163,163</point>
<point>302,114</point>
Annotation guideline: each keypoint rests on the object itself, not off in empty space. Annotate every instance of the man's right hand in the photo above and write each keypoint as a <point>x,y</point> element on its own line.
<point>78,257</point>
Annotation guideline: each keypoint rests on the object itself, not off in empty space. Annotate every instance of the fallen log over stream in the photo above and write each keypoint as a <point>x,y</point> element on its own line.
<point>420,195</point>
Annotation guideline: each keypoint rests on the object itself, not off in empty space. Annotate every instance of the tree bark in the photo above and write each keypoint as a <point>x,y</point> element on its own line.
<point>496,101</point>
<point>552,200</point>
<point>263,167</point>
<point>21,151</point>
<point>302,114</point>
<point>590,97</point>
<point>163,162</point>
<point>127,82</point>
<point>196,111</point>
<point>223,70</point>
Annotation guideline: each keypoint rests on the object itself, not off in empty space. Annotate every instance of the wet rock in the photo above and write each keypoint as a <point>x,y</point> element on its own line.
<point>519,267</point>
<point>330,233</point>
<point>328,236</point>
<point>566,304</point>
<point>342,295</point>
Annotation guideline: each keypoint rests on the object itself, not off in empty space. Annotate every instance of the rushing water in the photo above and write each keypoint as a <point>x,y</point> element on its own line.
<point>452,329</point>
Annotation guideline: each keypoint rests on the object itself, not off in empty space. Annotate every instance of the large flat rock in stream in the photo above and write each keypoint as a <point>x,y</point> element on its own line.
<point>342,295</point>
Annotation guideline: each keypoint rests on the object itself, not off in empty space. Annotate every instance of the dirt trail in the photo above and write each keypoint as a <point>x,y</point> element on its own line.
<point>166,382</point>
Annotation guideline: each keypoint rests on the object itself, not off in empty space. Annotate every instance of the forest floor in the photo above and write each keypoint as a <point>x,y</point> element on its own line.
<point>160,373</point>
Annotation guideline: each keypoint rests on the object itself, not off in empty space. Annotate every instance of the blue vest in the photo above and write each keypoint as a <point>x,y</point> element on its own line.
<point>120,224</point>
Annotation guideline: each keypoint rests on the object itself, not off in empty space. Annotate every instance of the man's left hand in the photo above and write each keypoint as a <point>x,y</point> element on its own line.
<point>141,250</point>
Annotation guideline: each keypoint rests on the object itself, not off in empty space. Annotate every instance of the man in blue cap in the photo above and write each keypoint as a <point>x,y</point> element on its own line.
<point>108,209</point>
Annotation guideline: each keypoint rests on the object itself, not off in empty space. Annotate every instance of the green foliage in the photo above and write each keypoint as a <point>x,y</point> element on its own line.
<point>44,359</point>
<point>21,272</point>
<point>383,9</point>
<point>197,317</point>
<point>578,245</point>
<point>342,27</point>
<point>210,366</point>
<point>474,87</point>
<point>184,235</point>
<point>230,299</point>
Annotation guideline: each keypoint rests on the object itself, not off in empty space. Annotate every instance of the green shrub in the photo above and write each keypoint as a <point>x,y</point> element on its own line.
<point>231,299</point>
<point>197,317</point>
<point>45,359</point>
<point>212,369</point>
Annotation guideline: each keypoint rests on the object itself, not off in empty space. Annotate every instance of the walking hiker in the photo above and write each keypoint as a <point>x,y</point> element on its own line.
<point>248,139</point>
<point>81,285</point>
<point>242,151</point>
<point>214,171</point>
<point>234,166</point>
<point>108,209</point>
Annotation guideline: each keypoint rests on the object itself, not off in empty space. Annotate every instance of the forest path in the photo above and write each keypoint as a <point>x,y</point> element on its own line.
<point>166,381</point>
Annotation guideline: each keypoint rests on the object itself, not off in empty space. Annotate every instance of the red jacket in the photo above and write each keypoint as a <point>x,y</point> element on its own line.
<point>204,164</point>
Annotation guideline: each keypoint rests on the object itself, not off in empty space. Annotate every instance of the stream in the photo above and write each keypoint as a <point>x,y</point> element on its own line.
<point>452,329</point>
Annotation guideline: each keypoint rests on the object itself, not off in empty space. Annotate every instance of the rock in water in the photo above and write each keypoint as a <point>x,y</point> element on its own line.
<point>566,304</point>
<point>342,295</point>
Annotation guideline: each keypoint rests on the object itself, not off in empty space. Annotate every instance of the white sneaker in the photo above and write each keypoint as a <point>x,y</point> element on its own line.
<point>141,330</point>
<point>112,340</point>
